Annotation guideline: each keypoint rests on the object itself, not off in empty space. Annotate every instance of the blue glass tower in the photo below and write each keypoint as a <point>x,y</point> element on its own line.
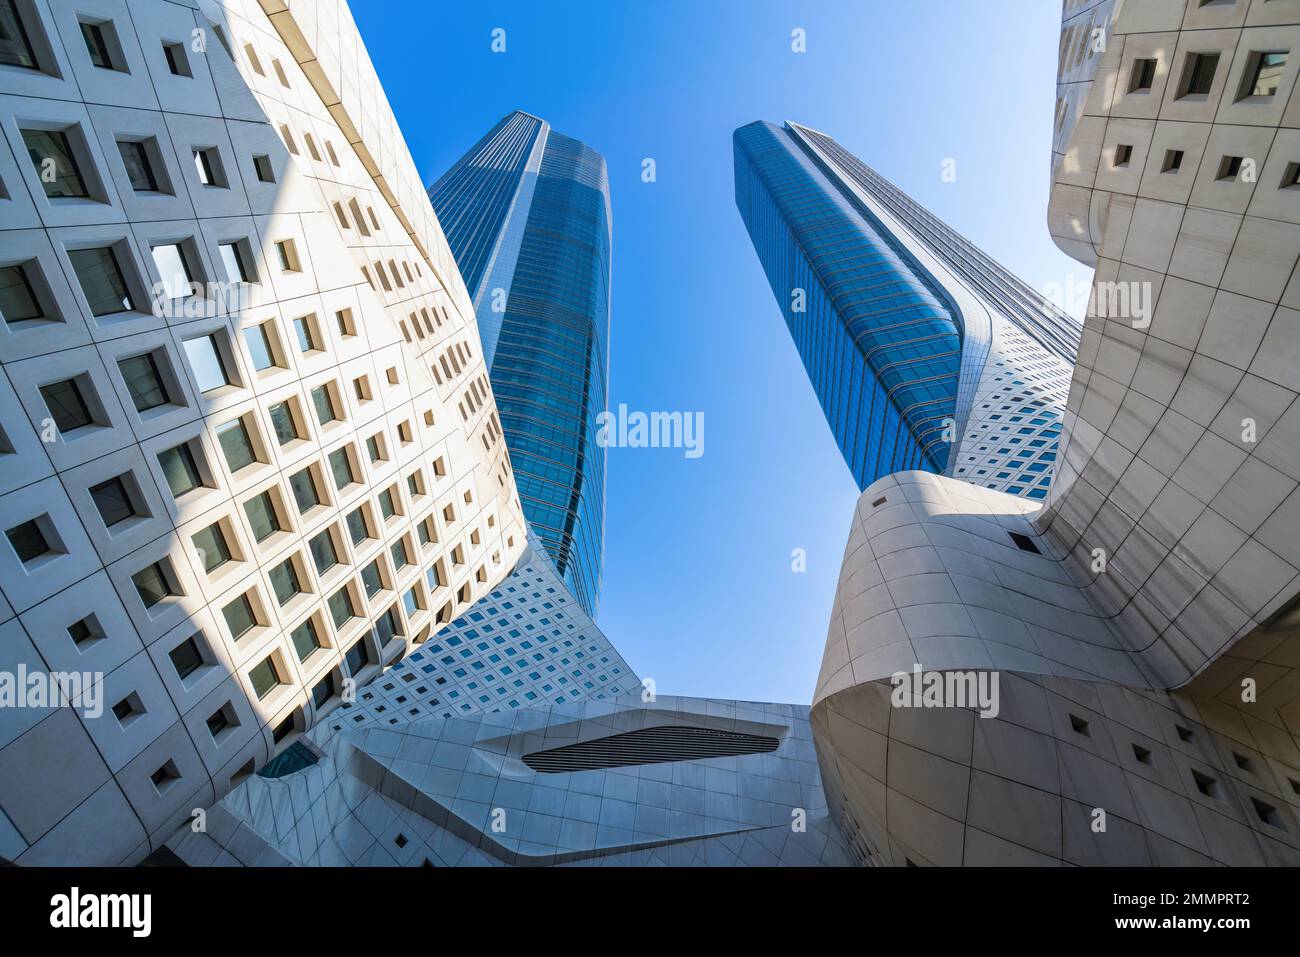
<point>526,213</point>
<point>924,353</point>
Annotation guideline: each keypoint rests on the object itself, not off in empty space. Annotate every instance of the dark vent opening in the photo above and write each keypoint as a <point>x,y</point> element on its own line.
<point>1024,543</point>
<point>648,746</point>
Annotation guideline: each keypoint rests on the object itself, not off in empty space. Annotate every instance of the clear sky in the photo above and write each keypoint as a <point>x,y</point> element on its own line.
<point>699,591</point>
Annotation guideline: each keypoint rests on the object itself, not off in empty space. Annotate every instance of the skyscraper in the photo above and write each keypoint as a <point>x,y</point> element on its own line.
<point>232,487</point>
<point>527,216</point>
<point>924,353</point>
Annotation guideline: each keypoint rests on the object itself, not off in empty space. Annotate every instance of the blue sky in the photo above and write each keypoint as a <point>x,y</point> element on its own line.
<point>699,592</point>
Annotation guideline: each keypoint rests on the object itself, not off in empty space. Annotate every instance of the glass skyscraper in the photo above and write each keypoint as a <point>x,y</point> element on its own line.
<point>526,213</point>
<point>924,353</point>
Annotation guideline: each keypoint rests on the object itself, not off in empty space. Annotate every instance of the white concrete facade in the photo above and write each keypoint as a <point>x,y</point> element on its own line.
<point>1145,639</point>
<point>367,467</point>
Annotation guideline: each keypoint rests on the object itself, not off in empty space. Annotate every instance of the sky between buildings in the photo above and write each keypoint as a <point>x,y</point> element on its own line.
<point>699,590</point>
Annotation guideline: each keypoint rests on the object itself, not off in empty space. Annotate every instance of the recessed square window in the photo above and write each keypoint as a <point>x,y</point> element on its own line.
<point>239,616</point>
<point>102,281</point>
<point>220,721</point>
<point>287,255</point>
<point>263,516</point>
<point>1144,74</point>
<point>139,157</point>
<point>180,469</point>
<point>67,403</point>
<point>102,44</point>
<point>259,341</point>
<point>1079,726</point>
<point>187,657</point>
<point>1229,167</point>
<point>305,640</point>
<point>341,468</point>
<point>323,691</point>
<point>358,527</point>
<point>144,380</point>
<point>1198,74</point>
<point>1206,784</point>
<point>237,258</point>
<point>357,657</point>
<point>1184,734</point>
<point>1142,755</point>
<point>15,41</point>
<point>19,301</point>
<point>85,632</point>
<point>51,153</point>
<point>303,486</point>
<point>1290,176</point>
<point>1024,543</point>
<point>265,677</point>
<point>1267,813</point>
<point>1263,73</point>
<point>207,363</point>
<point>29,541</point>
<point>153,584</point>
<point>178,61</point>
<point>212,547</point>
<point>304,328</point>
<point>341,607</point>
<point>284,422</point>
<point>114,501</point>
<point>128,709</point>
<point>323,552</point>
<point>324,404</point>
<point>284,581</point>
<point>1123,153</point>
<point>236,445</point>
<point>207,160</point>
<point>262,166</point>
<point>1173,161</point>
<point>165,777</point>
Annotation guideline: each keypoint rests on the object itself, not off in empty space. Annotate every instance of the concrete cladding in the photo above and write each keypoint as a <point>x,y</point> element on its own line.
<point>1141,624</point>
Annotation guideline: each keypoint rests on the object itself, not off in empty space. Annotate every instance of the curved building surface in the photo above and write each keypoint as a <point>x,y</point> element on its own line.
<point>527,215</point>
<point>236,479</point>
<point>1142,623</point>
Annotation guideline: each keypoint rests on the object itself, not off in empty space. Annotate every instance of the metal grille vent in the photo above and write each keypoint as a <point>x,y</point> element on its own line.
<point>648,746</point>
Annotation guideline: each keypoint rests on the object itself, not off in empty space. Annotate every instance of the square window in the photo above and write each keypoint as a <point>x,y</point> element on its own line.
<point>284,423</point>
<point>178,62</point>
<point>305,640</point>
<point>1229,167</point>
<point>304,491</point>
<point>212,547</point>
<point>1173,161</point>
<point>236,445</point>
<point>265,677</point>
<point>1144,74</point>
<point>1198,74</point>
<point>358,529</point>
<point>262,166</point>
<point>1290,176</point>
<point>358,657</point>
<point>341,468</point>
<point>15,43</point>
<point>320,398</point>
<point>56,164</point>
<point>1263,73</point>
<point>67,405</point>
<point>260,349</point>
<point>236,259</point>
<point>144,381</point>
<point>284,581</point>
<point>101,44</point>
<point>18,299</point>
<point>323,552</point>
<point>153,584</point>
<point>218,722</point>
<point>370,578</point>
<point>175,270</point>
<point>240,617</point>
<point>207,363</point>
<point>180,470</point>
<point>113,501</point>
<point>341,609</point>
<point>139,165</point>
<point>102,282</point>
<point>287,255</point>
<point>28,541</point>
<point>262,516</point>
<point>85,632</point>
<point>1123,153</point>
<point>323,691</point>
<point>186,657</point>
<point>207,160</point>
<point>303,328</point>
